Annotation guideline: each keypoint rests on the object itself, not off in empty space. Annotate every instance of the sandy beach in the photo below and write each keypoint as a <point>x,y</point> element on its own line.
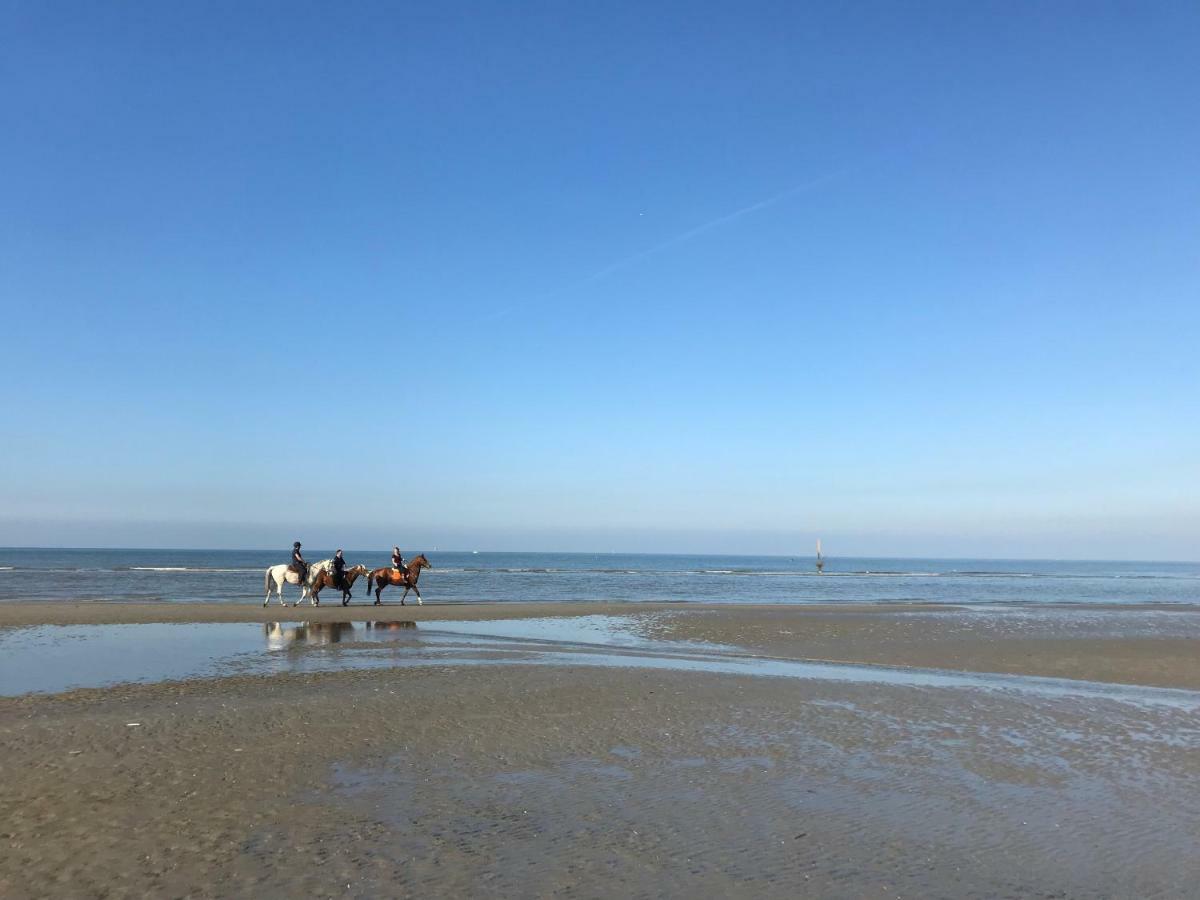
<point>544,780</point>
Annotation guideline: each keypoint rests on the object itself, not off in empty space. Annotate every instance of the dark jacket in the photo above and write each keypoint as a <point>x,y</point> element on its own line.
<point>339,565</point>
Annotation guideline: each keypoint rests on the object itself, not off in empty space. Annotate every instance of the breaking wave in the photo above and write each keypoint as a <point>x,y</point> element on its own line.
<point>203,569</point>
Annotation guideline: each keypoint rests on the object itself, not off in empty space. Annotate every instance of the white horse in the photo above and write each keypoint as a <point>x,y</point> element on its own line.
<point>277,576</point>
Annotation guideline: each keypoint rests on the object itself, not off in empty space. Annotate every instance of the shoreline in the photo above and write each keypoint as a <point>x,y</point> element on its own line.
<point>1123,645</point>
<point>118,612</point>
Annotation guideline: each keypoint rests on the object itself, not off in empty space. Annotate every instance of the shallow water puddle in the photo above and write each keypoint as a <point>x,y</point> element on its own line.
<point>52,658</point>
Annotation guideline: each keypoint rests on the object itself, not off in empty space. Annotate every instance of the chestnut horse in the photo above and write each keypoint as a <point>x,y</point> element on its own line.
<point>324,579</point>
<point>406,578</point>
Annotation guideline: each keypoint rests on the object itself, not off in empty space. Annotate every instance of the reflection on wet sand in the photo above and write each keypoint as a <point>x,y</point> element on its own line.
<point>391,626</point>
<point>318,634</point>
<point>314,634</point>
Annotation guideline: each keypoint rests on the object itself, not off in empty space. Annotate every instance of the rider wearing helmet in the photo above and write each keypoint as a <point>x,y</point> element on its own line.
<point>397,559</point>
<point>298,565</point>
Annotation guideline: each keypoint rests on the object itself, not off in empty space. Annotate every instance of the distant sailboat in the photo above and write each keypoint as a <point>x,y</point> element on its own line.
<point>820,562</point>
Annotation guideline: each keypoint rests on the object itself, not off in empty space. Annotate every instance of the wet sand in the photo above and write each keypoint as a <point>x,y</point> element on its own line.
<point>104,613</point>
<point>539,781</point>
<point>1124,645</point>
<point>1131,645</point>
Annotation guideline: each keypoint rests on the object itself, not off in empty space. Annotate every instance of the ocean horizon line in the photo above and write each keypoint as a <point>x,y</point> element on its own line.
<point>478,552</point>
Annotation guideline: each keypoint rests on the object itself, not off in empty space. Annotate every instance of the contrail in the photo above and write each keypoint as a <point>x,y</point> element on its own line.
<point>681,238</point>
<point>685,236</point>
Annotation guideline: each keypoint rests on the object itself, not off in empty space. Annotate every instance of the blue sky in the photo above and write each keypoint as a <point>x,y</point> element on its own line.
<point>921,278</point>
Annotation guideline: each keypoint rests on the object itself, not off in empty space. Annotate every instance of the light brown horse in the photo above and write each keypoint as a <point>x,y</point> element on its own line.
<point>406,578</point>
<point>324,579</point>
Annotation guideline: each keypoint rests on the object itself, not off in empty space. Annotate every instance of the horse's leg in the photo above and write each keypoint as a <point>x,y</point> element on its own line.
<point>417,591</point>
<point>273,587</point>
<point>402,603</point>
<point>378,587</point>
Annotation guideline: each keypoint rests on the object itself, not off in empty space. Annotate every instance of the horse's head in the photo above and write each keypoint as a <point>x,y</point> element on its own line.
<point>421,562</point>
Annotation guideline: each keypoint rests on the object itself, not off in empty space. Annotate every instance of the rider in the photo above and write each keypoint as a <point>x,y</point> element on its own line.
<point>397,559</point>
<point>339,570</point>
<point>298,565</point>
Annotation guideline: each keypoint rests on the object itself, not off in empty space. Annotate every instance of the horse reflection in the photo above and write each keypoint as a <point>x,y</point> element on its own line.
<point>315,634</point>
<point>391,626</point>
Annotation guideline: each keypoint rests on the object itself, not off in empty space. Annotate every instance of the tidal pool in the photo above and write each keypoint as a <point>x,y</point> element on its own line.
<point>54,658</point>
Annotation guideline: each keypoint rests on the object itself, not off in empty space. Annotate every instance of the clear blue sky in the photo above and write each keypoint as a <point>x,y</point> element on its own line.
<point>919,278</point>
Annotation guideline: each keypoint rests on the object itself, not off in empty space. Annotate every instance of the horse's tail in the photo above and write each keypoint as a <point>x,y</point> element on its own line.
<point>370,581</point>
<point>267,580</point>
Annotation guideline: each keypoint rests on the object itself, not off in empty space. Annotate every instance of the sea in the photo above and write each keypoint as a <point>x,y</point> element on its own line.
<point>237,576</point>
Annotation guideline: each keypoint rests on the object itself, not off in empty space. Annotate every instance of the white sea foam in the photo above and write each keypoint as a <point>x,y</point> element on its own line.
<point>184,569</point>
